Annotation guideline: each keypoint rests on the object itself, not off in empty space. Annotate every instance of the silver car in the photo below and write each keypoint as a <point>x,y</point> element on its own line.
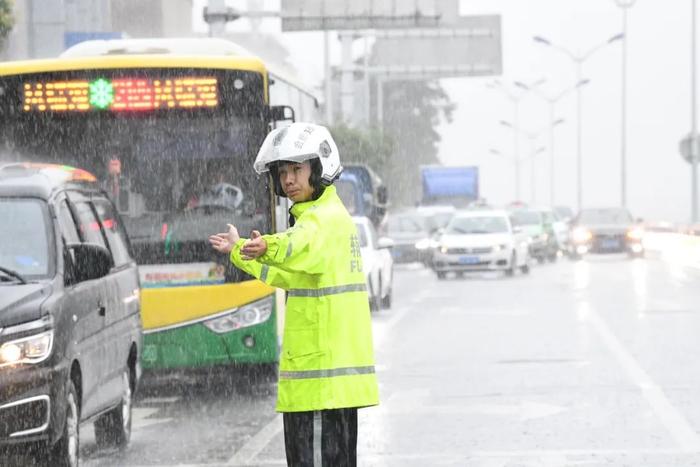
<point>481,241</point>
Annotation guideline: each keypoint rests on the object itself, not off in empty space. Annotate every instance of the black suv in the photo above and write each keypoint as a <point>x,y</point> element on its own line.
<point>70,325</point>
<point>607,230</point>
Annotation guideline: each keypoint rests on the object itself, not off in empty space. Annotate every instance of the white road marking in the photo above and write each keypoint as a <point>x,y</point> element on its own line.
<point>466,311</point>
<point>140,418</point>
<point>159,400</point>
<point>524,458</point>
<point>542,458</point>
<point>679,428</point>
<point>420,401</point>
<point>250,450</point>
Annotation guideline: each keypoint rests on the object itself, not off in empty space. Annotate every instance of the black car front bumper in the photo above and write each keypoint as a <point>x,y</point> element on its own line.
<point>29,408</point>
<point>605,243</point>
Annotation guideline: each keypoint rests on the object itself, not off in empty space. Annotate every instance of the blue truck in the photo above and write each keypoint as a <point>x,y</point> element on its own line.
<point>457,186</point>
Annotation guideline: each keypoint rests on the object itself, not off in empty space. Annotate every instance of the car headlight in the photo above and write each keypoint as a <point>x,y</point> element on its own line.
<point>581,235</point>
<point>635,233</point>
<point>443,249</point>
<point>243,317</point>
<point>32,349</point>
<point>501,247</point>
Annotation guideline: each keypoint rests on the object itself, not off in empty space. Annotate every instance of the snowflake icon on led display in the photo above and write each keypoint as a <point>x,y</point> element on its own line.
<point>101,93</point>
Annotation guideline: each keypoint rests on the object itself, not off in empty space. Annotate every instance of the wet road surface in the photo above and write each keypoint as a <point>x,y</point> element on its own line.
<point>590,363</point>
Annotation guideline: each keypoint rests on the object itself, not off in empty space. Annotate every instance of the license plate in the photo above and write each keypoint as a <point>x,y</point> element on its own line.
<point>610,244</point>
<point>469,260</point>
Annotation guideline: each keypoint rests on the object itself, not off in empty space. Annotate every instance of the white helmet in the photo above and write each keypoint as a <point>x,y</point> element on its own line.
<point>300,142</point>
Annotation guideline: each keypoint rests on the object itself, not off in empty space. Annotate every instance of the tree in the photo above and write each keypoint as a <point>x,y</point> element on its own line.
<point>413,110</point>
<point>366,146</point>
<point>6,20</point>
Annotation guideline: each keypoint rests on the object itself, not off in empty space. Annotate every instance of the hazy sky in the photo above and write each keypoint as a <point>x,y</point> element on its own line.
<point>658,101</point>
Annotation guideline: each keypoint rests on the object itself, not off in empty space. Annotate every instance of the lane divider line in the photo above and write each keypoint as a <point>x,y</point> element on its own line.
<point>250,450</point>
<point>677,425</point>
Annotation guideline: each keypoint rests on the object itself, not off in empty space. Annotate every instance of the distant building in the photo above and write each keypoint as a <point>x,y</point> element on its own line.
<point>44,28</point>
<point>152,18</point>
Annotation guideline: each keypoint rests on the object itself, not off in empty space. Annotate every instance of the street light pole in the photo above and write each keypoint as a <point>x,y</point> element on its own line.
<point>533,173</point>
<point>515,99</point>
<point>551,102</point>
<point>578,60</point>
<point>579,151</point>
<point>516,158</point>
<point>532,136</point>
<point>693,118</point>
<point>625,5</point>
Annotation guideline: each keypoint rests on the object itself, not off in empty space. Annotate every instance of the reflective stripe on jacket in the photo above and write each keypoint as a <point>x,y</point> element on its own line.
<point>327,359</point>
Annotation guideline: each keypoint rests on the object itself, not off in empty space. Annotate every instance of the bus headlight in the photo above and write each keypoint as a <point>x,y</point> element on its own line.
<point>32,349</point>
<point>243,317</point>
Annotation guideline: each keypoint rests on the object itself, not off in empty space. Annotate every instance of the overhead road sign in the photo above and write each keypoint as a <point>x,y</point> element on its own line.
<point>471,48</point>
<point>313,15</point>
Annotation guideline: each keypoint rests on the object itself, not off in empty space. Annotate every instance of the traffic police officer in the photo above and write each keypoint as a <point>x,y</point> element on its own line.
<point>327,363</point>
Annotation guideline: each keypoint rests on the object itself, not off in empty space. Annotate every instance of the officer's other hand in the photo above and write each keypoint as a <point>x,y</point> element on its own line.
<point>223,242</point>
<point>255,247</point>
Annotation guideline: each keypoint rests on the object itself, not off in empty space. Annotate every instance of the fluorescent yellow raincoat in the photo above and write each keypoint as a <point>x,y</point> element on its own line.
<point>327,360</point>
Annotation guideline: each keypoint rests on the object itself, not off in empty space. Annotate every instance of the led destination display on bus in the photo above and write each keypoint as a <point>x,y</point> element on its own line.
<point>122,94</point>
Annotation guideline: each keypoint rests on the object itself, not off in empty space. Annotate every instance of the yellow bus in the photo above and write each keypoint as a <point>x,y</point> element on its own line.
<point>171,128</point>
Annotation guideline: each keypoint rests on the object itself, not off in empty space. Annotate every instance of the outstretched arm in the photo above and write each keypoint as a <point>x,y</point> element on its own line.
<point>231,243</point>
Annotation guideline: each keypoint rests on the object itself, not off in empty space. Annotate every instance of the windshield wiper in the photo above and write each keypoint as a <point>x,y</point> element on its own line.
<point>11,273</point>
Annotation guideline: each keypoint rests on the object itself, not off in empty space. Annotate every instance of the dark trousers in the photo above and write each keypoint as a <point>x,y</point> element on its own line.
<point>325,438</point>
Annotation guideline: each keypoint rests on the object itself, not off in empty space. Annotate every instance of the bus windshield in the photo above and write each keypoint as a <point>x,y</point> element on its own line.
<point>176,176</point>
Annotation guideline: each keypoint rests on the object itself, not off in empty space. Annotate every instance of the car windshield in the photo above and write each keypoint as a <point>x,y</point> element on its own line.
<point>563,212</point>
<point>361,234</point>
<point>477,225</point>
<point>439,220</point>
<point>526,217</point>
<point>24,241</point>
<point>405,224</point>
<point>605,216</point>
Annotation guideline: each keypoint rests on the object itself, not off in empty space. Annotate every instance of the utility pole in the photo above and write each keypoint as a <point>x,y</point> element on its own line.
<point>693,117</point>
<point>625,5</point>
<point>217,14</point>
<point>328,80</point>
<point>347,77</point>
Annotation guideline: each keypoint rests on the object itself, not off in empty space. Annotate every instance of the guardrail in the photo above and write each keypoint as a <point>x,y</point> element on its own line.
<point>675,247</point>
